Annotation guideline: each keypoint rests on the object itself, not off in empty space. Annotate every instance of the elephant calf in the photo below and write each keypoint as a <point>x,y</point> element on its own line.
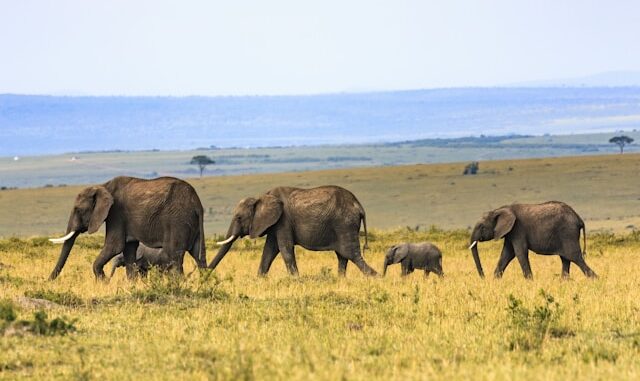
<point>411,256</point>
<point>146,257</point>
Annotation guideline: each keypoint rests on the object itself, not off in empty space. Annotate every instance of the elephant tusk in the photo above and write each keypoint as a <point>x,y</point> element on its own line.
<point>63,239</point>
<point>473,245</point>
<point>226,240</point>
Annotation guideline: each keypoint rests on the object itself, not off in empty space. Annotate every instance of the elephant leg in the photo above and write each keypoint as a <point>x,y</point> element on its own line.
<point>289,256</point>
<point>109,251</point>
<point>505,258</point>
<point>404,267</point>
<point>178,262</point>
<point>578,260</point>
<point>565,267</point>
<point>174,257</point>
<point>573,253</point>
<point>194,253</point>
<point>130,258</point>
<point>269,253</point>
<point>426,273</point>
<point>350,249</point>
<point>342,264</point>
<point>522,254</point>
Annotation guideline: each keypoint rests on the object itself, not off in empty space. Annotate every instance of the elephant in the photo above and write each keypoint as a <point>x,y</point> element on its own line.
<point>425,256</point>
<point>164,212</point>
<point>322,218</point>
<point>550,228</point>
<point>146,257</point>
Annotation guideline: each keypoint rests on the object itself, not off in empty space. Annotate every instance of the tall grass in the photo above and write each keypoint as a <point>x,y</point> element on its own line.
<point>234,325</point>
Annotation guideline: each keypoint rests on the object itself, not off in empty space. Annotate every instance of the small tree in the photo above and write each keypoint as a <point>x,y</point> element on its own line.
<point>202,161</point>
<point>621,141</point>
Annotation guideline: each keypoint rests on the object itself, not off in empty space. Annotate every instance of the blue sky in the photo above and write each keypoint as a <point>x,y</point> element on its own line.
<point>304,47</point>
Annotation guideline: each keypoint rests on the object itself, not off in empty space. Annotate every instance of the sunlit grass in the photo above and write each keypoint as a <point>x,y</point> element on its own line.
<point>235,325</point>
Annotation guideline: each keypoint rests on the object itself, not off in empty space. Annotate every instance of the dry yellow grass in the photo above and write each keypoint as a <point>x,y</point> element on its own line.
<point>319,326</point>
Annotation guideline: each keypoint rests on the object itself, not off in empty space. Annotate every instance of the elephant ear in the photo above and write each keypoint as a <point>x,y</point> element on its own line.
<point>267,212</point>
<point>399,253</point>
<point>505,219</point>
<point>103,202</point>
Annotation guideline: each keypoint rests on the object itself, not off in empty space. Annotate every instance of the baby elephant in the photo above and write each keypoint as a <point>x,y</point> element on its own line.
<point>411,256</point>
<point>145,258</point>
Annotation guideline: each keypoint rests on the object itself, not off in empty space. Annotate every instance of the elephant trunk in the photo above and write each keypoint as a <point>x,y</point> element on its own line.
<point>476,259</point>
<point>221,253</point>
<point>474,252</point>
<point>64,254</point>
<point>234,232</point>
<point>386,264</point>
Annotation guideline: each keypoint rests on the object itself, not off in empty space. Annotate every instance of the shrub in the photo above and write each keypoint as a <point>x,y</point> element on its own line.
<point>40,325</point>
<point>531,327</point>
<point>162,288</point>
<point>7,312</point>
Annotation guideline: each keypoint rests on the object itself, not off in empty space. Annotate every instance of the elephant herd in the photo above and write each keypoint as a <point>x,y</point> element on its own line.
<point>155,222</point>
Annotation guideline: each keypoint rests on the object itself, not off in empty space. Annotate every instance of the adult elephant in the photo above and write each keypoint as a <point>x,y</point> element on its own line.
<point>164,212</point>
<point>322,218</point>
<point>549,228</point>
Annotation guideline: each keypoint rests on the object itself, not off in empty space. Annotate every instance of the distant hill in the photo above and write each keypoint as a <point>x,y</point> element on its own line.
<point>33,125</point>
<point>605,79</point>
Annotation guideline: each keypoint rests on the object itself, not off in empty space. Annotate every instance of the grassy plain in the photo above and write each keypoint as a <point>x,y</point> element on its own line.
<point>96,167</point>
<point>234,325</point>
<point>603,189</point>
<point>319,326</point>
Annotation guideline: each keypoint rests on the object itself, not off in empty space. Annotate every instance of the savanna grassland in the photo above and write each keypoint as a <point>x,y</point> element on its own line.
<point>234,325</point>
<point>230,324</point>
<point>603,189</point>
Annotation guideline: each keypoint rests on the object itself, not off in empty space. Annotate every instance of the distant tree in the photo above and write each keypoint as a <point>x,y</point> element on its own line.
<point>471,168</point>
<point>202,161</point>
<point>621,141</point>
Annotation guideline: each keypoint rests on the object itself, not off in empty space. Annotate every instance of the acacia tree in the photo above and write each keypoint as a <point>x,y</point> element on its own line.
<point>202,161</point>
<point>621,141</point>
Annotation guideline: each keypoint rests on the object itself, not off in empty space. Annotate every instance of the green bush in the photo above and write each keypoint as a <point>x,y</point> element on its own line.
<point>40,325</point>
<point>162,288</point>
<point>529,328</point>
<point>7,311</point>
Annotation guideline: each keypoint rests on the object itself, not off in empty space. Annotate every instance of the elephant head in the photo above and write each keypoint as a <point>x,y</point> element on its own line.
<point>90,210</point>
<point>252,217</point>
<point>395,255</point>
<point>493,225</point>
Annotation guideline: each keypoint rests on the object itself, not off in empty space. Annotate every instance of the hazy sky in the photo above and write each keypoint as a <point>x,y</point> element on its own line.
<point>114,47</point>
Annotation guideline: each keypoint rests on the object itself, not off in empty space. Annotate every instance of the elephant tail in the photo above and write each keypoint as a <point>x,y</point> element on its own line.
<point>584,235</point>
<point>199,245</point>
<point>363,216</point>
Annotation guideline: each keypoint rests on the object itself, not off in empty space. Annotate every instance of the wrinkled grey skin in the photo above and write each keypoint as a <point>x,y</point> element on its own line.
<point>323,218</point>
<point>411,256</point>
<point>162,213</point>
<point>146,257</point>
<point>551,228</point>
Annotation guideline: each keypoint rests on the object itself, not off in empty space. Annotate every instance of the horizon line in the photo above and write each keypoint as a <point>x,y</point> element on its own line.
<point>319,94</point>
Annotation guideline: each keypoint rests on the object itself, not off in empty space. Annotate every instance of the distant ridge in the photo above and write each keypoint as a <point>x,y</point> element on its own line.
<point>628,78</point>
